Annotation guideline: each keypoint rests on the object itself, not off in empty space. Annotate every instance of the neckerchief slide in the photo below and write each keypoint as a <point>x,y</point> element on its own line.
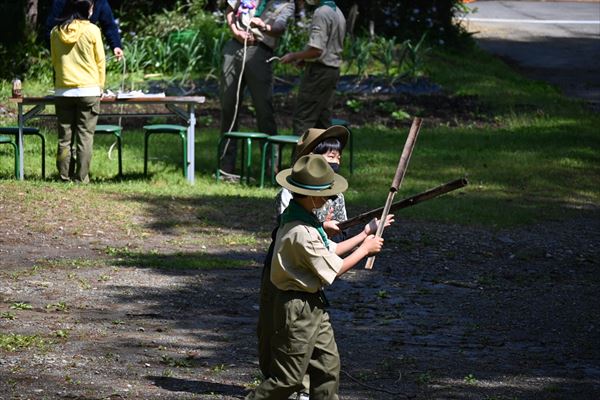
<point>295,212</point>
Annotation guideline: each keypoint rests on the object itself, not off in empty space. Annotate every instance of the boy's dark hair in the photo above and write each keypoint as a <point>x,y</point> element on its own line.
<point>327,145</point>
<point>74,9</point>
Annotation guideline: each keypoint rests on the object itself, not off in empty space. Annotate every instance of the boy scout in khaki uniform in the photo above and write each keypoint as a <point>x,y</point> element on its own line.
<point>308,143</point>
<point>303,262</point>
<point>267,22</point>
<point>324,56</point>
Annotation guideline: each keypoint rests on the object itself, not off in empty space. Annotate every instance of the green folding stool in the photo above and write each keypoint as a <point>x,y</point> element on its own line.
<point>115,130</point>
<point>8,140</point>
<point>246,139</point>
<point>28,131</point>
<point>275,143</point>
<point>166,129</point>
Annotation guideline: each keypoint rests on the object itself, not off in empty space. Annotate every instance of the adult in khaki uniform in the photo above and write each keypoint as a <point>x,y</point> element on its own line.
<point>260,28</point>
<point>303,262</point>
<point>324,57</point>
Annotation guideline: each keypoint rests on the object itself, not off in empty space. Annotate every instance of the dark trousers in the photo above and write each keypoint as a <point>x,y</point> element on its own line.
<point>77,118</point>
<point>286,370</point>
<point>314,103</point>
<point>302,343</point>
<point>258,78</point>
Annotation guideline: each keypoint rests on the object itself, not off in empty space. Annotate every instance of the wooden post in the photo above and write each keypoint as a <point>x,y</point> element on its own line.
<point>397,181</point>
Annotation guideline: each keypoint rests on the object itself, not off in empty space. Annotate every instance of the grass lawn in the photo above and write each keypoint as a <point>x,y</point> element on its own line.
<point>538,158</point>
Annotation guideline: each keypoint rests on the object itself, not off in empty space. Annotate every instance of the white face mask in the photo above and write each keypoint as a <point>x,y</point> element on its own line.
<point>315,210</point>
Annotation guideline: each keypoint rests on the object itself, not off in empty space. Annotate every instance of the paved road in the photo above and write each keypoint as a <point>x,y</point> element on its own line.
<point>554,41</point>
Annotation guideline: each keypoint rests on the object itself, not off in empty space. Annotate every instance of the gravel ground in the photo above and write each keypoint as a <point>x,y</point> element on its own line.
<point>128,309</point>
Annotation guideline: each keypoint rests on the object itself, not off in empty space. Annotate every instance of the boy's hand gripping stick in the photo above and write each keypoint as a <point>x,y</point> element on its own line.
<point>397,182</point>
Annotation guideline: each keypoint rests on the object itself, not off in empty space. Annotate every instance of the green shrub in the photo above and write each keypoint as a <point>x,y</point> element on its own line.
<point>179,43</point>
<point>293,39</point>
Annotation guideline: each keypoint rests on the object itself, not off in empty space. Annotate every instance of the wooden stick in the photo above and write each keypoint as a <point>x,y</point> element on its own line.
<point>405,203</point>
<point>397,181</point>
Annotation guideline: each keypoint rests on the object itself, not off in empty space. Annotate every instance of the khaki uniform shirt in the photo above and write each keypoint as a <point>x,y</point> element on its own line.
<point>277,13</point>
<point>301,261</point>
<point>327,32</point>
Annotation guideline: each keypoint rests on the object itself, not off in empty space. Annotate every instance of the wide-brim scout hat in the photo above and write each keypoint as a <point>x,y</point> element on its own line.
<point>311,175</point>
<point>313,136</point>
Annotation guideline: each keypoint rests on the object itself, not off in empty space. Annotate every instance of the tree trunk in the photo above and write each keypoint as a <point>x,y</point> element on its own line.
<point>31,17</point>
<point>352,16</point>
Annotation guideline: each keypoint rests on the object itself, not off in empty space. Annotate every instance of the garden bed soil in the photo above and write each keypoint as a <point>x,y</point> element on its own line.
<point>368,101</point>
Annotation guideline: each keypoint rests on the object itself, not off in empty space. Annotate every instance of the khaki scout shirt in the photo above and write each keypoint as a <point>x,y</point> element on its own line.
<point>277,13</point>
<point>301,261</point>
<point>327,32</point>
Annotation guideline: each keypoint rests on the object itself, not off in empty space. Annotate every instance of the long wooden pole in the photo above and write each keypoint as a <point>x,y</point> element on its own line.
<point>405,203</point>
<point>397,181</point>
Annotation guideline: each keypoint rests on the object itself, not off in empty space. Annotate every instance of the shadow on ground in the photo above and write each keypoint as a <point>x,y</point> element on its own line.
<point>197,387</point>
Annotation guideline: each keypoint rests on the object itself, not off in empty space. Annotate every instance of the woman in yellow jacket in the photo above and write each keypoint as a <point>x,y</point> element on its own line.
<point>79,72</point>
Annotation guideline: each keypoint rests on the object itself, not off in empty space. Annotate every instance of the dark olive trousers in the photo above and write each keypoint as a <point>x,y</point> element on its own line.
<point>314,103</point>
<point>77,118</point>
<point>301,343</point>
<point>258,78</point>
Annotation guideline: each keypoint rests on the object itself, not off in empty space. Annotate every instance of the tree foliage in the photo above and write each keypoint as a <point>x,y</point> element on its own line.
<point>22,23</point>
<point>406,18</point>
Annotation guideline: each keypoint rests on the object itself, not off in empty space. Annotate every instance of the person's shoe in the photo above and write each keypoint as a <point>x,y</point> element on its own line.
<point>303,396</point>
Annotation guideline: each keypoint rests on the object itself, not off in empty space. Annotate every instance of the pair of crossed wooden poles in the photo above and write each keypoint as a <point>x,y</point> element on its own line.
<point>396,183</point>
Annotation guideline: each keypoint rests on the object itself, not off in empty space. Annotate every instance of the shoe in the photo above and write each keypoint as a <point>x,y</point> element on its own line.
<point>303,396</point>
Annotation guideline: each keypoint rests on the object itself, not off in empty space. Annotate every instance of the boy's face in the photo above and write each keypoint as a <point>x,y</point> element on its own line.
<point>333,156</point>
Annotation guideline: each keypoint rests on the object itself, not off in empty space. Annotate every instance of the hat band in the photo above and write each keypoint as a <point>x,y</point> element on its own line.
<point>309,187</point>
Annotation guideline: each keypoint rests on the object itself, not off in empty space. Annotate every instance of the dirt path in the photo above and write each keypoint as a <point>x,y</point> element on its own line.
<point>131,308</point>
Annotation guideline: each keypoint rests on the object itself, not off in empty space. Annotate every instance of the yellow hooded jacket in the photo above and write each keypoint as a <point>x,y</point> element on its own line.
<point>77,55</point>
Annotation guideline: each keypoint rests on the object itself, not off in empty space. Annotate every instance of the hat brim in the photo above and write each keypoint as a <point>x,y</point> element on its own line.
<point>339,185</point>
<point>336,131</point>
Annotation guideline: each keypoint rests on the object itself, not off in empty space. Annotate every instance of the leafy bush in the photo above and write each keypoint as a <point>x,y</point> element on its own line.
<point>403,60</point>
<point>357,54</point>
<point>179,42</point>
<point>40,66</point>
<point>184,41</point>
<point>293,39</point>
<point>162,24</point>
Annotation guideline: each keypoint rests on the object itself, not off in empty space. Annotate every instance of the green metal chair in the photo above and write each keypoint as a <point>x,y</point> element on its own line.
<point>246,139</point>
<point>115,130</point>
<point>275,143</point>
<point>7,140</point>
<point>28,131</point>
<point>346,124</point>
<point>166,129</point>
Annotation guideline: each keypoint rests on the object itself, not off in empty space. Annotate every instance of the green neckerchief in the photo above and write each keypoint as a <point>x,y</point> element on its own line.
<point>329,3</point>
<point>261,8</point>
<point>295,212</point>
